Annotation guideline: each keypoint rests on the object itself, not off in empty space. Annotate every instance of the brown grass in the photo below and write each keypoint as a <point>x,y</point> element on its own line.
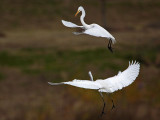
<point>25,95</point>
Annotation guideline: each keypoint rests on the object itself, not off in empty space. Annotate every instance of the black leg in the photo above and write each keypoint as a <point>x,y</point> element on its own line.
<point>103,104</point>
<point>110,45</point>
<point>113,106</point>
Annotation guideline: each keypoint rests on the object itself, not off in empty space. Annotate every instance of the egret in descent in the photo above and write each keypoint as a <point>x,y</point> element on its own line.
<point>92,29</point>
<point>109,85</point>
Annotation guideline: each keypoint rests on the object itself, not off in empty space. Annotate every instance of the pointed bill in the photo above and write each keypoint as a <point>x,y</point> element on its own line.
<point>77,13</point>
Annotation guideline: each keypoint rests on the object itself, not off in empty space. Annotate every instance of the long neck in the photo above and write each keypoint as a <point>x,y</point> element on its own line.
<point>82,19</point>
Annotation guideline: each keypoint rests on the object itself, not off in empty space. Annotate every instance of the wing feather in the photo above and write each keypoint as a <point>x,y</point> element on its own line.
<point>123,79</point>
<point>70,24</point>
<point>99,31</point>
<point>80,83</point>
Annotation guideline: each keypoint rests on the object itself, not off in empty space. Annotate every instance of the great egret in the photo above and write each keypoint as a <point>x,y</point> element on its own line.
<point>109,85</point>
<point>92,29</point>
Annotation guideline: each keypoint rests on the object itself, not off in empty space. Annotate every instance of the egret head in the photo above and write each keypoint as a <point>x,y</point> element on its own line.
<point>79,10</point>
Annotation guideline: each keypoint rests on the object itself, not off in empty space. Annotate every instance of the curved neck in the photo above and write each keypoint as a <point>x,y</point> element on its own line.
<point>82,19</point>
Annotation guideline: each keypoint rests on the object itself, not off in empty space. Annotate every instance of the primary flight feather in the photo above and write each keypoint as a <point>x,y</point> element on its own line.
<point>109,85</point>
<point>92,29</point>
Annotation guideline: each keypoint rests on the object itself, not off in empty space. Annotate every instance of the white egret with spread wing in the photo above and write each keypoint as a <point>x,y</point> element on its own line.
<point>109,85</point>
<point>92,29</point>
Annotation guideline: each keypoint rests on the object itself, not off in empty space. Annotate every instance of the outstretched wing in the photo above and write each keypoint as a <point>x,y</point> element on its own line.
<point>70,24</point>
<point>99,31</point>
<point>124,78</point>
<point>80,83</point>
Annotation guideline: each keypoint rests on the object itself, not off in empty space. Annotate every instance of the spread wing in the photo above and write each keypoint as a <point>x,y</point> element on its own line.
<point>80,83</point>
<point>99,31</point>
<point>124,78</point>
<point>70,24</point>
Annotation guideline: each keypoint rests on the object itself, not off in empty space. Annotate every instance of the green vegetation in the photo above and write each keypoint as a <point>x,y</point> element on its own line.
<point>36,48</point>
<point>1,76</point>
<point>50,61</point>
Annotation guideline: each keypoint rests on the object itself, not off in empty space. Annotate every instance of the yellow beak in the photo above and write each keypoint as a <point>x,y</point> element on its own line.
<point>77,13</point>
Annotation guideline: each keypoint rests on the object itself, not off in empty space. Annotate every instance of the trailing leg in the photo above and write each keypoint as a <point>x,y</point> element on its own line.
<point>103,104</point>
<point>110,45</point>
<point>113,106</point>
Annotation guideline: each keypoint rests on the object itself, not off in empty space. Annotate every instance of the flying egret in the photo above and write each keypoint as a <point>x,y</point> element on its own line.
<point>109,85</point>
<point>92,29</point>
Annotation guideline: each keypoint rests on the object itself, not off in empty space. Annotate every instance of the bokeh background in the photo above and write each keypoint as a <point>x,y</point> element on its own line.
<point>36,48</point>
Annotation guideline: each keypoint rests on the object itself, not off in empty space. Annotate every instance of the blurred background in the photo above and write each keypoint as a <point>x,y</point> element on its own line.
<point>36,48</point>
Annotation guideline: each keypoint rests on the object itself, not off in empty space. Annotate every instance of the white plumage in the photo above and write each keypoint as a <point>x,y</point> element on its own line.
<point>92,29</point>
<point>109,85</point>
<point>70,24</point>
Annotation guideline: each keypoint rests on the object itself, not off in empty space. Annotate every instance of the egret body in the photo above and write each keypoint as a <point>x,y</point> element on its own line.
<point>92,29</point>
<point>109,85</point>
